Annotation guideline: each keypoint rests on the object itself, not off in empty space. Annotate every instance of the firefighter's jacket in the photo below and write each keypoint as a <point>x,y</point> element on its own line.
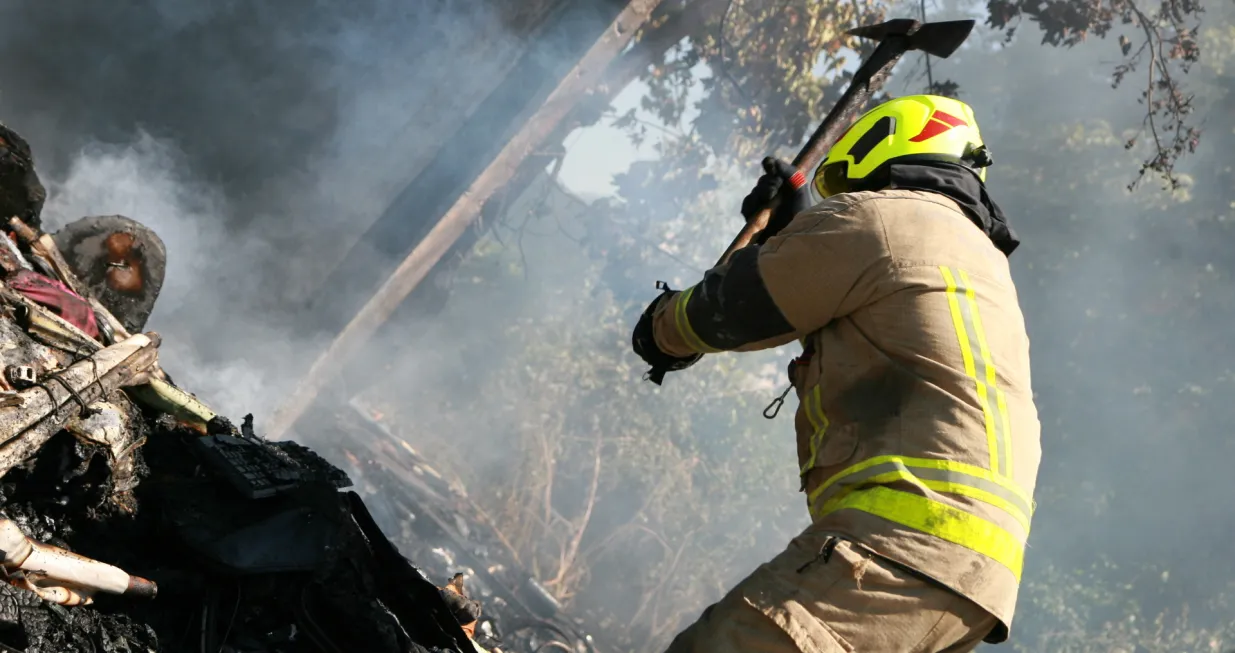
<point>916,429</point>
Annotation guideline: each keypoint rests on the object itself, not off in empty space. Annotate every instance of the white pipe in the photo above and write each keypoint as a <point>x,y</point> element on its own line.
<point>21,552</point>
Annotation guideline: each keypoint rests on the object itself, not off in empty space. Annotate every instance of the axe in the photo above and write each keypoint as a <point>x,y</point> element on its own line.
<point>895,37</point>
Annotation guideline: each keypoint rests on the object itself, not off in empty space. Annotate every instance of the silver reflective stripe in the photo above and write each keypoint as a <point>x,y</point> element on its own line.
<point>926,474</point>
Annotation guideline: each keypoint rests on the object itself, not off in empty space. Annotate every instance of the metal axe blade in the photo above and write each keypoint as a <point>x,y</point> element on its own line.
<point>939,39</point>
<point>881,31</point>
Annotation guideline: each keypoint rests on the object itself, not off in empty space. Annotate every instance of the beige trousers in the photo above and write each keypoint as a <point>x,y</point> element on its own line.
<point>826,595</point>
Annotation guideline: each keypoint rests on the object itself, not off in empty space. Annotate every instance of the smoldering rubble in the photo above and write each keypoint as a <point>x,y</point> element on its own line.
<point>133,518</point>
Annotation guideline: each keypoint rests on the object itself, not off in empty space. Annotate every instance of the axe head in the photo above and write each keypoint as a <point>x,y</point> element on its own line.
<point>937,39</point>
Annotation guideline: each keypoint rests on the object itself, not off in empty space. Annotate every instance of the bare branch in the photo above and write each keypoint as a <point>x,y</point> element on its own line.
<point>1170,45</point>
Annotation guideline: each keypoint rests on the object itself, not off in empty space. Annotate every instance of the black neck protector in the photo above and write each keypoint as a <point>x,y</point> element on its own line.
<point>961,184</point>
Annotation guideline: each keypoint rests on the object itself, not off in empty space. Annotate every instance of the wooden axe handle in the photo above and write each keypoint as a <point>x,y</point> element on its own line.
<point>868,79</point>
<point>752,229</point>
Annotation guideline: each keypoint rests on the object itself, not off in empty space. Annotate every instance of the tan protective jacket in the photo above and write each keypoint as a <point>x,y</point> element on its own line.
<point>917,432</point>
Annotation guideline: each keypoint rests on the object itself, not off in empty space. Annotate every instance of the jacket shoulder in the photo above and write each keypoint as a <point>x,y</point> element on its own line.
<point>872,208</point>
<point>929,229</point>
<point>851,212</point>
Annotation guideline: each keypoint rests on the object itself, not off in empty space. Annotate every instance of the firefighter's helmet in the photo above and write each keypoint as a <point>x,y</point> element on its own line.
<point>907,129</point>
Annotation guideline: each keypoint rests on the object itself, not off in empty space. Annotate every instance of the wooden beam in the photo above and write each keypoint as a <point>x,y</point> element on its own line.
<point>668,25</point>
<point>559,41</point>
<point>413,269</point>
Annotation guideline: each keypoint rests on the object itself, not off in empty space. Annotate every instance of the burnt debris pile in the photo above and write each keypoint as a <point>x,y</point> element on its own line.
<point>301,570</point>
<point>432,521</point>
<point>133,519</point>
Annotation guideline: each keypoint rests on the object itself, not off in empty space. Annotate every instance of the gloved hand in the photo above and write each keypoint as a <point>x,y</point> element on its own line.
<point>787,181</point>
<point>644,343</point>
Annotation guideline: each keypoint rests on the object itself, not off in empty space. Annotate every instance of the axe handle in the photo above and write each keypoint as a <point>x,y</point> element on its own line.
<point>866,82</point>
<point>752,229</point>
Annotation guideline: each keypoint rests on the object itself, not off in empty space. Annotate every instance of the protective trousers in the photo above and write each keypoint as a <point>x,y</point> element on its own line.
<point>824,594</point>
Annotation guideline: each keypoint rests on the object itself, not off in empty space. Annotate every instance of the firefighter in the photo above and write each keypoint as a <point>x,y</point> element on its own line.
<point>917,434</point>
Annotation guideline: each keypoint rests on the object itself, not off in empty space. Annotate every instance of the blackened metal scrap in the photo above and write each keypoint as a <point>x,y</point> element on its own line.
<point>45,628</point>
<point>466,610</point>
<point>331,608</point>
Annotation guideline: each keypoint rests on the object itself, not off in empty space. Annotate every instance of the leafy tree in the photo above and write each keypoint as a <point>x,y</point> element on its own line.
<point>770,69</point>
<point>1166,46</point>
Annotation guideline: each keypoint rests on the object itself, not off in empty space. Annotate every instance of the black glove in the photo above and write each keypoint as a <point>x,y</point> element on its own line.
<point>783,179</point>
<point>644,343</point>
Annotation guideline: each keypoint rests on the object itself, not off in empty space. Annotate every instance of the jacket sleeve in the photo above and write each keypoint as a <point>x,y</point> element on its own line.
<point>820,267</point>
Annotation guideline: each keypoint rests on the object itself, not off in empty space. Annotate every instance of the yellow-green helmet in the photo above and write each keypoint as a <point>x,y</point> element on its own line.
<point>911,128</point>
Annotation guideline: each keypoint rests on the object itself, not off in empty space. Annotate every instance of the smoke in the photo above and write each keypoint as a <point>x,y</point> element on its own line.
<point>260,139</point>
<point>259,143</point>
<point>145,179</point>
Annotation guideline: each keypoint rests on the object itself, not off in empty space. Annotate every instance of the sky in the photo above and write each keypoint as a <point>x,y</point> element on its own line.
<point>594,154</point>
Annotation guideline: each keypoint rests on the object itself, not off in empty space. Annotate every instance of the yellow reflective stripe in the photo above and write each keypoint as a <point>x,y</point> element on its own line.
<point>819,426</point>
<point>812,397</point>
<point>979,494</point>
<point>929,463</point>
<point>935,478</point>
<point>1001,403</point>
<point>958,322</point>
<point>682,323</point>
<point>966,320</point>
<point>937,519</point>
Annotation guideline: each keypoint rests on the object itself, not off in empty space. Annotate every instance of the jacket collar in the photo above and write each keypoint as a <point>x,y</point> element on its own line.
<point>962,185</point>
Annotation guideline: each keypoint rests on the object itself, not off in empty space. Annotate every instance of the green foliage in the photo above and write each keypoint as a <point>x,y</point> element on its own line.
<point>757,65</point>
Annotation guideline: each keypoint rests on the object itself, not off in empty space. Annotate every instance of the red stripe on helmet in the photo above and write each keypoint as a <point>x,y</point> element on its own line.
<point>949,118</point>
<point>932,129</point>
<point>938,123</point>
